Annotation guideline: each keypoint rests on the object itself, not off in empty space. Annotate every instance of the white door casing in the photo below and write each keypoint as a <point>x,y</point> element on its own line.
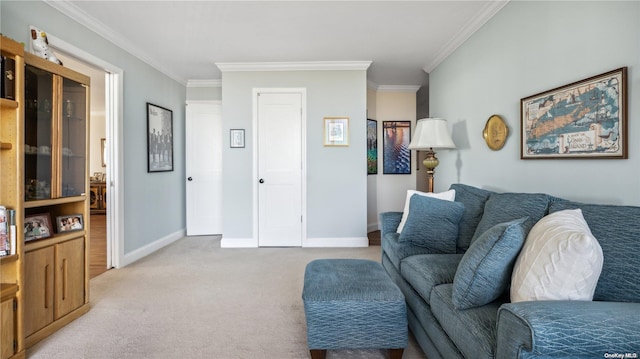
<point>279,120</point>
<point>203,147</point>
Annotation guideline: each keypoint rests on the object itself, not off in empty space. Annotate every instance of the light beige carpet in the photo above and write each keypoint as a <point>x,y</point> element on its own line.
<point>193,299</point>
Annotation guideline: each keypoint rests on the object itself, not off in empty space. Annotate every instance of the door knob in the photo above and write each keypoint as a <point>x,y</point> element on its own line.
<point>189,179</point>
<point>261,180</point>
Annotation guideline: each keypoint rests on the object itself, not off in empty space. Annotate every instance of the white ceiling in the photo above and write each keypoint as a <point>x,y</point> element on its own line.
<point>185,39</point>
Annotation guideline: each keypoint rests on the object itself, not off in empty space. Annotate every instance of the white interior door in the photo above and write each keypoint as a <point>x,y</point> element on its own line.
<point>280,167</point>
<point>204,168</point>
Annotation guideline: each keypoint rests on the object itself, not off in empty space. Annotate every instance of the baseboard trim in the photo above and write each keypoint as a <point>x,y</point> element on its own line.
<point>152,247</point>
<point>238,243</point>
<point>344,242</point>
<point>337,242</point>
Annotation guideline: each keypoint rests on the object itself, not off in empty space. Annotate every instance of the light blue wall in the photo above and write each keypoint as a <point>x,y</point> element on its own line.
<point>204,93</point>
<point>527,48</point>
<point>336,176</point>
<point>154,203</point>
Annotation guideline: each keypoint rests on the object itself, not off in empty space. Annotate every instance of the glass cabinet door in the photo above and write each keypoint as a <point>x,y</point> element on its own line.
<point>38,137</point>
<point>73,138</point>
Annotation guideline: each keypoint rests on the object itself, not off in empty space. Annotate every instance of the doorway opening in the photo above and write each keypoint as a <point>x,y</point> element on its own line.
<point>105,144</point>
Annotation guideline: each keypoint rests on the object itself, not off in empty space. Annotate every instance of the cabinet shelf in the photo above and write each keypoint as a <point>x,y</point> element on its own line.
<point>55,201</point>
<point>57,238</point>
<point>8,103</point>
<point>8,290</point>
<point>9,258</point>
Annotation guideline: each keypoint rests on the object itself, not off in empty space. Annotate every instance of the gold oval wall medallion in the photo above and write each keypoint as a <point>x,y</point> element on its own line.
<point>495,132</point>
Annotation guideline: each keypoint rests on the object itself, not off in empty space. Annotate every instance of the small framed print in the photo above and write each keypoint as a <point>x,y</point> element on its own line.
<point>236,138</point>
<point>37,226</point>
<point>70,223</point>
<point>336,131</point>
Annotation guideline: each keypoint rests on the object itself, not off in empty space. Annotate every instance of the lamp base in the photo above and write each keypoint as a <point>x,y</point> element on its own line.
<point>430,162</point>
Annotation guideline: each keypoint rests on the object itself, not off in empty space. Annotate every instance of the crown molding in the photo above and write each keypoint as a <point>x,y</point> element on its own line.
<point>67,8</point>
<point>485,14</point>
<point>392,88</point>
<point>204,83</point>
<point>294,66</point>
<point>398,88</point>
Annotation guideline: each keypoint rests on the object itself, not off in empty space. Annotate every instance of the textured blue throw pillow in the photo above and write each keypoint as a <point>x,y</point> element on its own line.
<point>432,223</point>
<point>484,272</point>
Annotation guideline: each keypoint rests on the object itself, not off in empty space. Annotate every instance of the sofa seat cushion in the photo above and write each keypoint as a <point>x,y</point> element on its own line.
<point>616,228</point>
<point>472,330</point>
<point>426,271</point>
<point>505,207</point>
<point>473,199</point>
<point>397,251</point>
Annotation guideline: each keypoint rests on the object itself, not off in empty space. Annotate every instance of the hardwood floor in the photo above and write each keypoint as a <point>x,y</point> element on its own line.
<point>98,245</point>
<point>374,238</point>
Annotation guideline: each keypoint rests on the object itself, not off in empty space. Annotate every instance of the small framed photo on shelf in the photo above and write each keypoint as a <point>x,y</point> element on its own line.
<point>236,138</point>
<point>70,223</point>
<point>37,226</point>
<point>336,131</point>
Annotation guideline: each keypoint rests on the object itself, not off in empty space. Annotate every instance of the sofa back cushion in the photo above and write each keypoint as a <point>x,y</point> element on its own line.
<point>505,207</point>
<point>473,199</point>
<point>617,229</point>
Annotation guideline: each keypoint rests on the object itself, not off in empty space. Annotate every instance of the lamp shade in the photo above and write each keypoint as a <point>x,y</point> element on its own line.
<point>431,133</point>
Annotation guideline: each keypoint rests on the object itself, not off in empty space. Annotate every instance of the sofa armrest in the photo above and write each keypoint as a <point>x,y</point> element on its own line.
<point>567,329</point>
<point>389,222</point>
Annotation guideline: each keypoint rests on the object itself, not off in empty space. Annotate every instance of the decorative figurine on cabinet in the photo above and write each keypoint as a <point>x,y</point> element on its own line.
<point>40,45</point>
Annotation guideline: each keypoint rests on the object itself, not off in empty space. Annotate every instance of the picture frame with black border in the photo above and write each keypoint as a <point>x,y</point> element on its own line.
<point>159,139</point>
<point>70,223</point>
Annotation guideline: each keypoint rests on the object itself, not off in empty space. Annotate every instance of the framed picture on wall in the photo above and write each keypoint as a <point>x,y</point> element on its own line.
<point>584,119</point>
<point>236,138</point>
<point>159,139</point>
<point>396,156</point>
<point>372,147</point>
<point>336,131</point>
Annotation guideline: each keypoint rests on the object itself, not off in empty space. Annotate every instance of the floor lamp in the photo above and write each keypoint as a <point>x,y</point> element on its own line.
<point>430,134</point>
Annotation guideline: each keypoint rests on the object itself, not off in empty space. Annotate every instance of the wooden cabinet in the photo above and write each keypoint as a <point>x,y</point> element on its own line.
<point>98,197</point>
<point>11,196</point>
<point>55,287</point>
<point>56,182</point>
<point>8,327</point>
<point>38,289</point>
<point>43,161</point>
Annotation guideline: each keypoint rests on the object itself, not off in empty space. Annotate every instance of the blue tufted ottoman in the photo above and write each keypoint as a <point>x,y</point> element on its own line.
<point>353,304</point>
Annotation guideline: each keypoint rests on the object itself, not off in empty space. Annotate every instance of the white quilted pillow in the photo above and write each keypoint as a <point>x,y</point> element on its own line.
<point>449,195</point>
<point>560,260</point>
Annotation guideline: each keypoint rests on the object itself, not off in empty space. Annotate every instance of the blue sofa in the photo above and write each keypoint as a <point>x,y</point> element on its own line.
<point>603,328</point>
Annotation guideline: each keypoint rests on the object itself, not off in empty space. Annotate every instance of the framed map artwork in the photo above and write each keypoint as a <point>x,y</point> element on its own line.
<point>584,119</point>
